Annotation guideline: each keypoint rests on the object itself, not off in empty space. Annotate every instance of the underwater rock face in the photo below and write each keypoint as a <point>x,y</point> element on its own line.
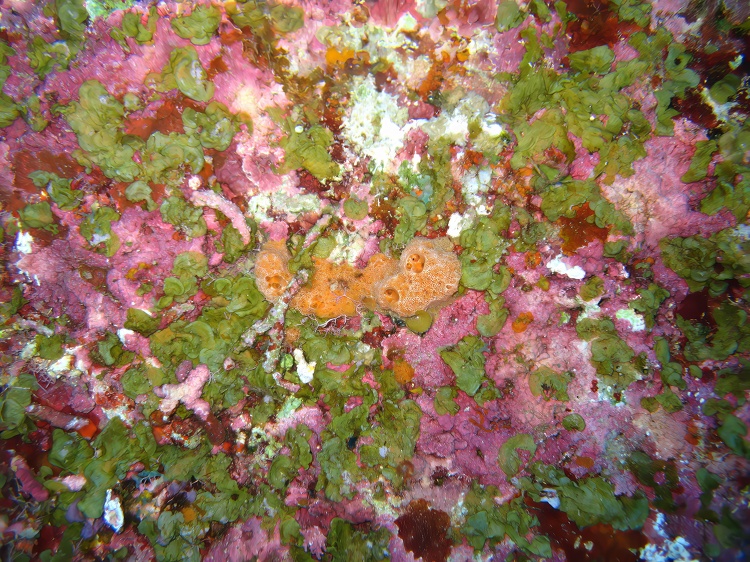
<point>378,281</point>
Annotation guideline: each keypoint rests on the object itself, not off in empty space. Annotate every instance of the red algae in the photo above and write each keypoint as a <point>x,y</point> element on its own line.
<point>424,531</point>
<point>597,542</point>
<point>580,230</point>
<point>596,24</point>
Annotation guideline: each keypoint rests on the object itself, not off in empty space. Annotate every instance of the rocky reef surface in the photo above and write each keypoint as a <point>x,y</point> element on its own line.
<point>395,279</point>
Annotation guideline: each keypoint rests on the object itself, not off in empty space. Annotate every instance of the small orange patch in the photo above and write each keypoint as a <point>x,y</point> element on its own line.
<point>161,433</point>
<point>432,81</point>
<point>130,275</point>
<point>229,36</point>
<point>291,335</point>
<point>472,158</point>
<point>189,514</point>
<point>585,462</point>
<point>522,322</point>
<point>463,56</point>
<point>88,430</point>
<point>533,259</point>
<point>335,57</point>
<point>693,432</point>
<point>402,371</point>
<point>216,66</point>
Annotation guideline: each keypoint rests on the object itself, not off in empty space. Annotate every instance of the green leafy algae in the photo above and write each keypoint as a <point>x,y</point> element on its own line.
<point>597,60</point>
<point>116,452</point>
<point>38,215</point>
<point>732,432</point>
<point>660,475</point>
<point>231,244</point>
<point>355,209</point>
<point>487,522</point>
<point>731,334</point>
<point>563,198</point>
<point>483,248</point>
<point>698,170</point>
<point>50,347</point>
<point>394,436</point>
<point>489,325</point>
<point>140,191</point>
<point>648,303</point>
<point>235,305</point>
<point>587,501</point>
<point>709,262</point>
<point>58,189</point>
<point>610,355</point>
<point>165,156</point>
<point>592,288</point>
<point>445,401</point>
<point>13,403</point>
<point>635,11</point>
<point>110,352</point>
<point>286,19</point>
<point>574,422</point>
<point>549,384</point>
<point>732,174</point>
<point>96,227</point>
<point>308,149</point>
<point>412,214</point>
<point>339,470</point>
<point>214,127</point>
<point>141,322</point>
<point>199,26</point>
<point>507,457</point>
<point>676,76</point>
<point>133,27</point>
<point>534,138</point>
<point>466,360</point>
<point>185,73</point>
<point>141,379</point>
<point>97,120</point>
<point>347,542</point>
<point>508,15</point>
<point>592,108</point>
<point>72,17</point>
<point>175,210</point>
<point>9,109</point>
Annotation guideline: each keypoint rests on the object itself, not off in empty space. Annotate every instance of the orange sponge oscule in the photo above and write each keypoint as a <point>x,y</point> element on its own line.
<point>428,274</point>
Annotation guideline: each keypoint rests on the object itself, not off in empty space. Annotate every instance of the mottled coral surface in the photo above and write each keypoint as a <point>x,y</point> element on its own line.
<point>382,280</point>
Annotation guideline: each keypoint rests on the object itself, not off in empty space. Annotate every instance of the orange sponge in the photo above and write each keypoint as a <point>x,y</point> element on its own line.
<point>428,273</point>
<point>338,290</point>
<point>272,274</point>
<point>329,292</point>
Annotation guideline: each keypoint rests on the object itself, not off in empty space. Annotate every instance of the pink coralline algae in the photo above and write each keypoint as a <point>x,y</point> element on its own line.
<point>384,280</point>
<point>187,392</point>
<point>210,199</point>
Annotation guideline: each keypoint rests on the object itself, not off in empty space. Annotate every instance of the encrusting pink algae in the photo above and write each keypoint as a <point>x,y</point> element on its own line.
<point>381,280</point>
